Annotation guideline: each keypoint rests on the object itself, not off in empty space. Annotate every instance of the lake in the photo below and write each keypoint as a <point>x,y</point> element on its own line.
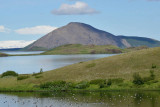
<point>33,64</point>
<point>81,99</point>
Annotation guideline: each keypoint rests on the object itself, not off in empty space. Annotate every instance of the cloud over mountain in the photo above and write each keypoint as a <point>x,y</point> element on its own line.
<point>35,30</point>
<point>14,44</point>
<point>79,8</point>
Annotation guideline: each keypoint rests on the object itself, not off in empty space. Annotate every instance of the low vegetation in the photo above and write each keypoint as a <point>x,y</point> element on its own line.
<point>9,73</point>
<point>22,77</point>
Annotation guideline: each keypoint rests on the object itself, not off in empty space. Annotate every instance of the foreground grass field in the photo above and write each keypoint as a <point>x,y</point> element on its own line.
<point>120,66</point>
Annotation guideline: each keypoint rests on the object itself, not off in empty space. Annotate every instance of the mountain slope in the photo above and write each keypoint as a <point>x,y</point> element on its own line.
<point>76,33</point>
<point>140,41</point>
<point>80,33</point>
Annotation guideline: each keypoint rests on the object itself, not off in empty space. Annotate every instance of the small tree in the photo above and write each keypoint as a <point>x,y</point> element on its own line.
<point>41,70</point>
<point>137,79</point>
<point>152,75</point>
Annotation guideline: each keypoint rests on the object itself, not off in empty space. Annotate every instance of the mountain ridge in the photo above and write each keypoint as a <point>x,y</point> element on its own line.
<point>81,33</point>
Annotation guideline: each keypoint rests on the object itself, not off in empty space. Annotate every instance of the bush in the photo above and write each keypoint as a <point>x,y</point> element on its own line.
<point>109,82</point>
<point>101,85</point>
<point>22,77</point>
<point>82,85</point>
<point>154,66</point>
<point>152,75</point>
<point>98,81</point>
<point>114,81</point>
<point>9,73</point>
<point>55,85</point>
<point>117,80</point>
<point>137,79</point>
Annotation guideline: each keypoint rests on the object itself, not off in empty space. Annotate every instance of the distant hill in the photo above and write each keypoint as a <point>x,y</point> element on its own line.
<point>84,49</point>
<point>3,55</point>
<point>90,49</point>
<point>140,41</point>
<point>80,33</point>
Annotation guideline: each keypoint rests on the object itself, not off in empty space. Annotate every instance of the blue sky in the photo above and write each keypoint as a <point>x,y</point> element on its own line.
<point>23,21</point>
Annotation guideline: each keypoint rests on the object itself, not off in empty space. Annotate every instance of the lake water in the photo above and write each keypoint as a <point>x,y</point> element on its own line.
<point>30,64</point>
<point>81,99</point>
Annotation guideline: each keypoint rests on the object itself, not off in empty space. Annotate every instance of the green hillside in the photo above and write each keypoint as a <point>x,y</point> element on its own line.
<point>120,66</point>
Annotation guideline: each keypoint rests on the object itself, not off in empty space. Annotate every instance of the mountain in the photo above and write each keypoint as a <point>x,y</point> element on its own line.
<point>80,33</point>
<point>140,41</point>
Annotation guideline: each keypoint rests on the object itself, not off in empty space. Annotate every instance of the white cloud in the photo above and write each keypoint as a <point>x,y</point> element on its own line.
<point>3,29</point>
<point>14,44</point>
<point>35,30</point>
<point>79,8</point>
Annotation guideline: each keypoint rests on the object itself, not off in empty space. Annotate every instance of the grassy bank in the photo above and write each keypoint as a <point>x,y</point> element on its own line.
<point>122,66</point>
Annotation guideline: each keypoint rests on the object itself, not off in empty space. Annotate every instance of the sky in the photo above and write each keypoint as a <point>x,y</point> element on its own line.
<point>24,21</point>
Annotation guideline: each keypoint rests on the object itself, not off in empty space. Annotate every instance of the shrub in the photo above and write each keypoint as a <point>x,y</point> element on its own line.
<point>152,75</point>
<point>101,85</point>
<point>46,85</point>
<point>9,73</point>
<point>154,66</point>
<point>114,81</point>
<point>98,81</point>
<point>109,82</point>
<point>22,77</point>
<point>137,79</point>
<point>55,85</point>
<point>41,70</point>
<point>117,80</point>
<point>82,85</point>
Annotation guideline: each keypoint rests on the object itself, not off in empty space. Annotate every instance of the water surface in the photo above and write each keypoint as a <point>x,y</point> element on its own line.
<point>30,64</point>
<point>81,99</point>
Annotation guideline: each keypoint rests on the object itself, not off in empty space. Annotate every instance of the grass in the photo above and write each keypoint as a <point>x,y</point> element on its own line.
<point>120,66</point>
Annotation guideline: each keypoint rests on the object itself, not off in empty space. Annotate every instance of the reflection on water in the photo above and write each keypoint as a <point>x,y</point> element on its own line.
<point>30,64</point>
<point>81,99</point>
